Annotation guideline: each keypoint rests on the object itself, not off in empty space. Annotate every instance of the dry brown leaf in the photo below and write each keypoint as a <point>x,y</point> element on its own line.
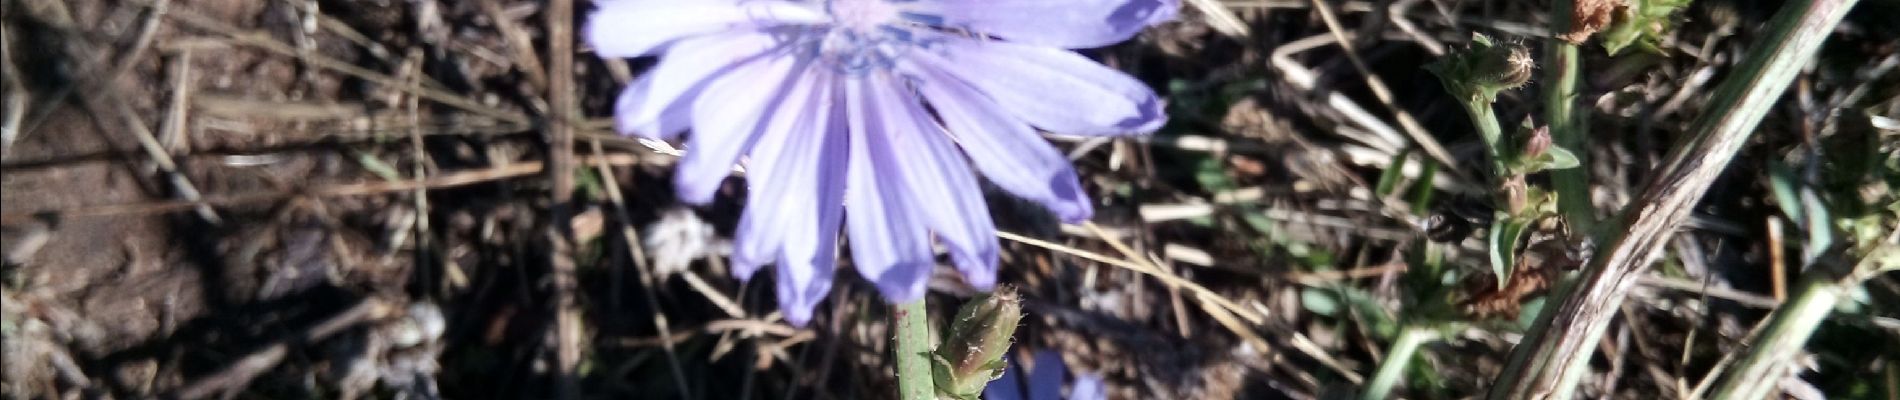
<point>1588,17</point>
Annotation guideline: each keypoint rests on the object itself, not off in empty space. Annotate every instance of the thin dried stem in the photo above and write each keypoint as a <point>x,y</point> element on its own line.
<point>1412,127</point>
<point>560,137</point>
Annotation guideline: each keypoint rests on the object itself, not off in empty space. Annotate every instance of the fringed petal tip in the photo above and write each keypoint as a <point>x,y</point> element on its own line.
<point>904,283</point>
<point>800,288</point>
<point>978,270</point>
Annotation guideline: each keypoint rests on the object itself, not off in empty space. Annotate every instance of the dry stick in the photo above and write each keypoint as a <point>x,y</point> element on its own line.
<point>149,143</point>
<point>1777,263</point>
<point>638,255</point>
<point>425,246</point>
<point>1397,13</point>
<point>1145,266</point>
<point>442,181</point>
<point>148,28</point>
<point>560,137</point>
<point>240,373</point>
<point>1384,138</point>
<point>519,43</point>
<point>1555,354</point>
<point>177,123</point>
<point>263,41</point>
<point>1220,18</point>
<point>1222,310</point>
<point>109,105</point>
<point>1412,128</point>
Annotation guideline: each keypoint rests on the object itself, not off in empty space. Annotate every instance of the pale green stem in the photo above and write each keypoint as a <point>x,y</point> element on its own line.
<point>1486,120</point>
<point>1555,354</point>
<point>1568,128</point>
<point>913,352</point>
<point>1771,352</point>
<point>1396,359</point>
<point>1768,358</point>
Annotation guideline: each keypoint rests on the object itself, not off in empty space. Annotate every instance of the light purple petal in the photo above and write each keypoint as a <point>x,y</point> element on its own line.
<point>797,185</point>
<point>627,119</point>
<point>731,114</point>
<point>1056,90</point>
<point>804,277</point>
<point>1006,387</point>
<point>633,28</point>
<point>1057,23</point>
<point>890,244</point>
<point>1088,387</point>
<point>805,212</point>
<point>1006,150</point>
<point>1045,376</point>
<point>940,185</point>
<point>658,105</point>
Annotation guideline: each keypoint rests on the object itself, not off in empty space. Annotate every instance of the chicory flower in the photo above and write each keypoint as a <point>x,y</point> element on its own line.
<point>880,107</point>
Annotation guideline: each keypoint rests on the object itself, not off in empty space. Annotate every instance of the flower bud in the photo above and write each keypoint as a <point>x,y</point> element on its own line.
<point>1484,68</point>
<point>1516,194</point>
<point>1537,144</point>
<point>972,353</point>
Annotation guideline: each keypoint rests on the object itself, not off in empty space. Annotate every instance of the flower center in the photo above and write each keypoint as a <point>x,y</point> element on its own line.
<point>861,15</point>
<point>863,35</point>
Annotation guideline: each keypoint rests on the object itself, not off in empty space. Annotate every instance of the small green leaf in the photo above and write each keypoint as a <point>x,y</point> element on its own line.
<point>1394,172</point>
<point>378,167</point>
<point>1422,190</point>
<point>1502,245</point>
<point>1560,158</point>
<point>1211,173</point>
<point>1319,301</point>
<point>1641,24</point>
<point>1820,231</point>
<point>1783,183</point>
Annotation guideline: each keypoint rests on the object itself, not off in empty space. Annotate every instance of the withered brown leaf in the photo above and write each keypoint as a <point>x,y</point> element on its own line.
<point>1587,17</point>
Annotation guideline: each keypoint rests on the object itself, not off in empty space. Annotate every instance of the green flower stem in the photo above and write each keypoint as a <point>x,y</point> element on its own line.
<point>913,352</point>
<point>1486,120</point>
<point>1555,354</point>
<point>1568,128</point>
<point>1396,359</point>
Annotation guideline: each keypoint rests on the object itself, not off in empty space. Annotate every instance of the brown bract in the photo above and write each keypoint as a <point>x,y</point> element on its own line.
<point>1588,17</point>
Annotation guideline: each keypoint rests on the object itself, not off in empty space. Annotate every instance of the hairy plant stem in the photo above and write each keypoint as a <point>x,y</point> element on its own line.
<point>1396,359</point>
<point>1771,354</point>
<point>1556,352</point>
<point>1486,121</point>
<point>1568,128</point>
<point>913,352</point>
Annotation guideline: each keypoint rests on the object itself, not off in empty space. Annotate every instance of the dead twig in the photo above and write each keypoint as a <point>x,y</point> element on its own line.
<point>637,253</point>
<point>240,373</point>
<point>263,41</point>
<point>1412,128</point>
<point>441,181</point>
